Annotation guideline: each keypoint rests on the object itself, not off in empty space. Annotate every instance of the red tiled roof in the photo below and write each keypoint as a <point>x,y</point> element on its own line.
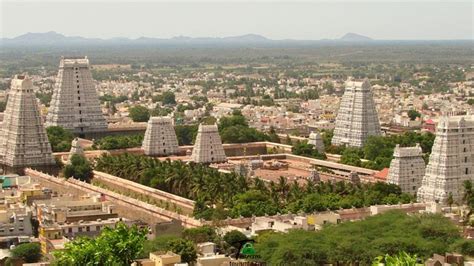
<point>382,174</point>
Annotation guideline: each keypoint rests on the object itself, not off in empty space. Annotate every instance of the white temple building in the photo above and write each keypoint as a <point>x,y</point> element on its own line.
<point>75,103</point>
<point>76,148</point>
<point>160,138</point>
<point>23,138</point>
<point>407,168</point>
<point>208,145</point>
<point>451,160</point>
<point>357,117</point>
<point>316,140</point>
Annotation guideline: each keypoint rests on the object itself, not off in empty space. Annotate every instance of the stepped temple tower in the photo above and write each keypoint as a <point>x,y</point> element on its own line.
<point>160,137</point>
<point>407,168</point>
<point>357,117</point>
<point>451,160</point>
<point>23,139</point>
<point>75,104</point>
<point>208,145</point>
<point>316,140</point>
<point>76,148</point>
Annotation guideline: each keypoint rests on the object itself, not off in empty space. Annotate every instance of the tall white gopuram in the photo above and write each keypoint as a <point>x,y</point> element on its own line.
<point>407,168</point>
<point>451,160</point>
<point>357,117</point>
<point>208,145</point>
<point>75,104</point>
<point>160,137</point>
<point>316,140</point>
<point>23,138</point>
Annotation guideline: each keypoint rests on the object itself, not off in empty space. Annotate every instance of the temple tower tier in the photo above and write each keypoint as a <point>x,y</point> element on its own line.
<point>75,104</point>
<point>23,138</point>
<point>208,146</point>
<point>407,168</point>
<point>451,161</point>
<point>357,117</point>
<point>160,138</point>
<point>316,140</point>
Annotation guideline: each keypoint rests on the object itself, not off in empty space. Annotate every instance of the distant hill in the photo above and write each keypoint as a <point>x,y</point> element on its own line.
<point>354,37</point>
<point>54,38</point>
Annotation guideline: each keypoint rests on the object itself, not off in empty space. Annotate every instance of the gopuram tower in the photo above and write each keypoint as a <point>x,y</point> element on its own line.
<point>160,137</point>
<point>23,138</point>
<point>451,160</point>
<point>407,168</point>
<point>357,117</point>
<point>208,145</point>
<point>75,104</point>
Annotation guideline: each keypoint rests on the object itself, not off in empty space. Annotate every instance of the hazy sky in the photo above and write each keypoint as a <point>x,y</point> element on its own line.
<point>315,20</point>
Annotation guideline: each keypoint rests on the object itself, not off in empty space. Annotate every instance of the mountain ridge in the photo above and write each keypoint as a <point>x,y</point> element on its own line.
<point>52,37</point>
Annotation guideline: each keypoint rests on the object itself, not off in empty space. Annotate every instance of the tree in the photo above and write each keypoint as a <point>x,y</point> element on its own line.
<point>168,98</point>
<point>413,114</point>
<point>79,168</point>
<point>28,252</point>
<point>234,238</point>
<point>119,246</point>
<point>185,248</point>
<point>351,156</point>
<point>401,258</point>
<point>139,113</point>
<point>468,199</point>
<point>59,138</point>
<point>200,234</point>
<point>422,234</point>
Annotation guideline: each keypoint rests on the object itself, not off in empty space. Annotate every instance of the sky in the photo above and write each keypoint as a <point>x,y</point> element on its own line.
<point>304,20</point>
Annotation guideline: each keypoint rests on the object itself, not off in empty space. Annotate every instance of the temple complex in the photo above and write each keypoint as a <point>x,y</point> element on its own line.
<point>451,160</point>
<point>208,145</point>
<point>316,140</point>
<point>357,117</point>
<point>160,137</point>
<point>407,168</point>
<point>23,138</point>
<point>75,104</point>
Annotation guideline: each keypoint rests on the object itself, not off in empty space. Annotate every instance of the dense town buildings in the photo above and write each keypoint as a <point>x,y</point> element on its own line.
<point>75,105</point>
<point>357,117</point>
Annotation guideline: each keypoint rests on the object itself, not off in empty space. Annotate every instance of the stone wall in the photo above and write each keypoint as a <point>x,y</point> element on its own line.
<point>126,206</point>
<point>120,184</point>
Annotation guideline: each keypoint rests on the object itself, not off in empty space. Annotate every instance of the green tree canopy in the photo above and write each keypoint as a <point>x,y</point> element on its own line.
<point>79,168</point>
<point>361,241</point>
<point>119,246</point>
<point>59,138</point>
<point>28,252</point>
<point>139,113</point>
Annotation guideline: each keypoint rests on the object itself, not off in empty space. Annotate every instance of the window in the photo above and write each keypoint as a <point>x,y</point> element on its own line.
<point>79,98</point>
<point>69,230</point>
<point>80,112</point>
<point>465,159</point>
<point>465,149</point>
<point>79,104</point>
<point>78,86</point>
<point>80,229</point>
<point>467,171</point>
